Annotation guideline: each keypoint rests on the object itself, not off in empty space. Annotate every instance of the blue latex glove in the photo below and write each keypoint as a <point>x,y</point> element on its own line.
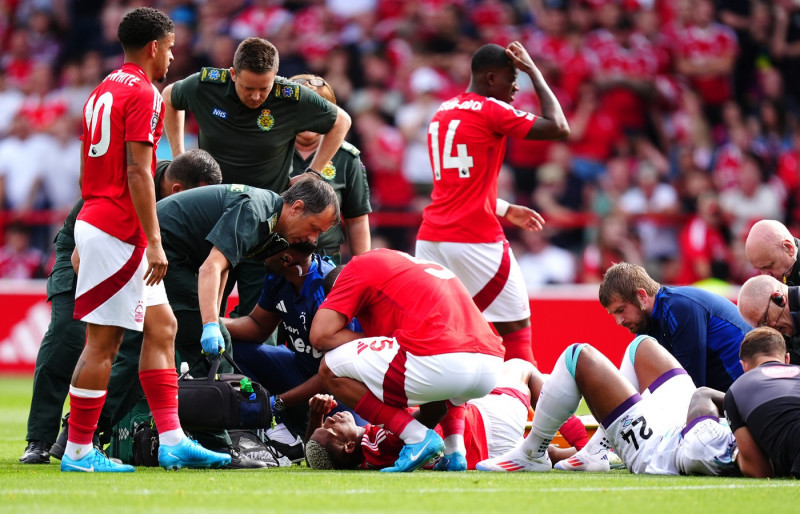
<point>212,340</point>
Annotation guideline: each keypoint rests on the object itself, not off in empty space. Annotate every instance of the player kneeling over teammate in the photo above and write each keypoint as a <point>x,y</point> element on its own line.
<point>424,343</point>
<point>673,430</point>
<point>493,425</point>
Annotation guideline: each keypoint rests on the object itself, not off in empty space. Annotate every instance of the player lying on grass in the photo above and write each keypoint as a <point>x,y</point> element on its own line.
<point>492,425</point>
<point>671,428</point>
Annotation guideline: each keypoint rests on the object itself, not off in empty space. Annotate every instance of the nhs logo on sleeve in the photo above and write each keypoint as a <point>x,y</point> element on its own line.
<point>219,113</point>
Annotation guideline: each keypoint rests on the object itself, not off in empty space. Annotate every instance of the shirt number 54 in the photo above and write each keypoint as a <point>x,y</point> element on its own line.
<point>460,161</point>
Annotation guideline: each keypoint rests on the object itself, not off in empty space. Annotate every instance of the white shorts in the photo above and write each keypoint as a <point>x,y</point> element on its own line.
<point>401,379</point>
<point>490,273</point>
<point>703,447</point>
<point>504,419</point>
<point>636,433</point>
<point>111,288</point>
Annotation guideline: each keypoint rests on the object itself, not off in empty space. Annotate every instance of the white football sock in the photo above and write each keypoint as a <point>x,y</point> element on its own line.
<point>557,402</point>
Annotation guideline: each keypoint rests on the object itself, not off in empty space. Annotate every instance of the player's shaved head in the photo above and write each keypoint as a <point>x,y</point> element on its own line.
<point>770,248</point>
<point>754,295</point>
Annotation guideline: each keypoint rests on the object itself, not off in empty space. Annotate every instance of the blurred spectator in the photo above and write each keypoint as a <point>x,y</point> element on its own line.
<point>543,263</point>
<point>751,200</point>
<point>74,89</point>
<point>18,260</point>
<point>705,54</point>
<point>651,196</point>
<point>42,104</point>
<point>61,163</point>
<point>614,242</point>
<point>383,147</point>
<point>10,101</point>
<point>728,157</point>
<point>44,45</point>
<point>689,133</point>
<point>261,18</point>
<point>20,168</point>
<point>789,174</point>
<point>625,68</point>
<point>785,47</point>
<point>412,120</point>
<point>605,199</point>
<point>17,61</point>
<point>557,49</point>
<point>704,251</point>
<point>593,135</point>
<point>559,198</point>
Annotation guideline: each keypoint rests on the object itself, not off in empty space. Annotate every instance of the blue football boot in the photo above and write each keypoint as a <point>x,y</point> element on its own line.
<point>94,462</point>
<point>189,454</point>
<point>414,456</point>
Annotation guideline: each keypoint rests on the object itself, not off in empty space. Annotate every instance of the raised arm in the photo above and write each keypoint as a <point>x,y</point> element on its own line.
<point>552,124</point>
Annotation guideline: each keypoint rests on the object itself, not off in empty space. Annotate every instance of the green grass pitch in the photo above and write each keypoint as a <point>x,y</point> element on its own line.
<point>43,489</point>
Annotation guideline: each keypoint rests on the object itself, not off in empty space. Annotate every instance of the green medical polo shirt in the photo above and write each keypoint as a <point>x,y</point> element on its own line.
<point>347,175</point>
<point>252,146</point>
<point>233,217</point>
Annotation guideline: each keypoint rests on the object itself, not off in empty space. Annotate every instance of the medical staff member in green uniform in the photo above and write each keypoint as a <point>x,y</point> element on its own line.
<point>248,119</point>
<point>346,174</point>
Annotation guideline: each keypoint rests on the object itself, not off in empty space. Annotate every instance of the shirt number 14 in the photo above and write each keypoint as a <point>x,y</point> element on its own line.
<point>462,161</point>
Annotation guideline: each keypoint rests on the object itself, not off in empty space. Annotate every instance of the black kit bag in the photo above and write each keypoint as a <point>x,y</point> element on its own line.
<point>145,445</point>
<point>217,402</point>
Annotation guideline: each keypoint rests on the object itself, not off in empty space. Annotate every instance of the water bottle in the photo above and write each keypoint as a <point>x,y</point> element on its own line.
<point>247,387</point>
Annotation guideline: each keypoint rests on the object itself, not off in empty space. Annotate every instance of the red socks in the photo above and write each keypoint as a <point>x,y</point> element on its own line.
<point>376,412</point>
<point>453,422</point>
<point>161,389</point>
<point>83,415</point>
<point>518,345</point>
<point>574,432</point>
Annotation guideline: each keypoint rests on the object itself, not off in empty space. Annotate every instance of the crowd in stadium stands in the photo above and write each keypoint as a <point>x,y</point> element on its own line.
<point>682,109</point>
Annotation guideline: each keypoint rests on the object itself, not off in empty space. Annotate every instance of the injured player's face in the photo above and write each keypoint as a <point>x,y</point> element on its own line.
<point>338,434</point>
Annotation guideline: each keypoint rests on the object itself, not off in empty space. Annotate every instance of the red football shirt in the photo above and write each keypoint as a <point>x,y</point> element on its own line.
<point>466,144</point>
<point>420,303</point>
<point>126,106</point>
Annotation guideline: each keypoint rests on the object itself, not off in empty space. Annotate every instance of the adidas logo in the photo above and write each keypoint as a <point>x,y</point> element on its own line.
<point>281,306</point>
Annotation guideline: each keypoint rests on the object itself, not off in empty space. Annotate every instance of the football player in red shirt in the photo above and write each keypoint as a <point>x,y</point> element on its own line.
<point>467,140</point>
<point>118,247</point>
<point>493,425</point>
<point>424,343</point>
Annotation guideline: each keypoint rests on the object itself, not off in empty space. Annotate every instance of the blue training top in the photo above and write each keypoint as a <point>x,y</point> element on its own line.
<point>297,311</point>
<point>703,331</point>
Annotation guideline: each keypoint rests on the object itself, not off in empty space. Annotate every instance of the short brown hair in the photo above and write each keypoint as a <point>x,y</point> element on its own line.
<point>762,341</point>
<point>257,55</point>
<point>622,280</point>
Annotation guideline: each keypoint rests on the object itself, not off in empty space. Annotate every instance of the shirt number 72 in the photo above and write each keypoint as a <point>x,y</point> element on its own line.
<point>462,161</point>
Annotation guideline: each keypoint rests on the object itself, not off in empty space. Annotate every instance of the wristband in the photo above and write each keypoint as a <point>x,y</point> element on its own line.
<point>501,208</point>
<point>315,172</point>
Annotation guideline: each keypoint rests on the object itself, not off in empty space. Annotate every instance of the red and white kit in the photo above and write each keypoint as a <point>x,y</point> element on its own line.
<point>125,107</point>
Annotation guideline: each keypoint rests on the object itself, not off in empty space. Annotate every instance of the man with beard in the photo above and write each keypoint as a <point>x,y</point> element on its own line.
<point>701,329</point>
